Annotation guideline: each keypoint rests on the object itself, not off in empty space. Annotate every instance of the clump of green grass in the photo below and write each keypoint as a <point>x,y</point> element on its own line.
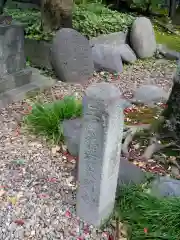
<point>45,119</point>
<point>142,211</point>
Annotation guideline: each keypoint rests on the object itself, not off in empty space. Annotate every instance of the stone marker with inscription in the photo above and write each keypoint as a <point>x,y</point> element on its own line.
<point>99,156</point>
<point>71,56</point>
<point>13,71</point>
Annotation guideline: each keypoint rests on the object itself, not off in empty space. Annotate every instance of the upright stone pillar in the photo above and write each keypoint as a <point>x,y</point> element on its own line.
<point>99,156</point>
<point>13,71</point>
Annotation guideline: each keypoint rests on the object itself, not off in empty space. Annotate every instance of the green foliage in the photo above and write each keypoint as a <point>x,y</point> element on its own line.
<point>94,19</point>
<point>143,4</point>
<point>45,119</point>
<point>90,19</point>
<point>140,210</point>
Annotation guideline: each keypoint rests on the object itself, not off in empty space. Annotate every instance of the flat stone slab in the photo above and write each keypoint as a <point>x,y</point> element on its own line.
<point>38,83</point>
<point>15,80</point>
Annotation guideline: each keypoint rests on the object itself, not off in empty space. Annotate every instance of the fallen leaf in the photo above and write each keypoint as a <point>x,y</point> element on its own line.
<point>19,222</point>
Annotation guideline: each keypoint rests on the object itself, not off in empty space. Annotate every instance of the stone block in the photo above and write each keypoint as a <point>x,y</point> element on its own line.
<point>99,155</point>
<point>11,48</point>
<point>71,56</point>
<point>38,53</point>
<point>17,79</point>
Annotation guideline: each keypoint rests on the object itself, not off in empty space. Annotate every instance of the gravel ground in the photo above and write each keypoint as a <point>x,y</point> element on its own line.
<point>37,188</point>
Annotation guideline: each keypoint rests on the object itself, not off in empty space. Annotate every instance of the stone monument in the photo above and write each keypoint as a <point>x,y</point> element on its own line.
<point>99,157</point>
<point>13,71</point>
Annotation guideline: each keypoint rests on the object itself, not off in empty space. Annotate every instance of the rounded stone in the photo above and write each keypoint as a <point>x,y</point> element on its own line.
<point>142,37</point>
<point>71,56</point>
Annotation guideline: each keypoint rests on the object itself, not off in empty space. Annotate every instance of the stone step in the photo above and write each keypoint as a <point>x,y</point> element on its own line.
<point>38,83</point>
<point>15,80</point>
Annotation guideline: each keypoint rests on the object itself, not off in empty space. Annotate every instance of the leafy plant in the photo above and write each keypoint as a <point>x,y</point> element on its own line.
<point>45,119</point>
<point>94,19</point>
<point>90,19</point>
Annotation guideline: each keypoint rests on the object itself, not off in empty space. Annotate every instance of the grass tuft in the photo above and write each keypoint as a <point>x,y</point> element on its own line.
<point>142,211</point>
<point>45,119</point>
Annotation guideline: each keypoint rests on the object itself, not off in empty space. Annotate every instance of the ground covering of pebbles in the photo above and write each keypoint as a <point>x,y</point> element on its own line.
<point>37,190</point>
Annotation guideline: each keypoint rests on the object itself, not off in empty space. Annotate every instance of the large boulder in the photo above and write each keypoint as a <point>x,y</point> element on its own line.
<point>116,38</point>
<point>142,37</point>
<point>71,56</point>
<point>107,58</point>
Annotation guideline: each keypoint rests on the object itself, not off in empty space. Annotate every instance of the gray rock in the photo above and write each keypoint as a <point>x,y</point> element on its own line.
<point>167,53</point>
<point>116,38</point>
<point>130,173</point>
<point>72,131</point>
<point>142,37</point>
<point>150,94</point>
<point>127,54</point>
<point>71,56</point>
<point>107,58</point>
<point>164,187</point>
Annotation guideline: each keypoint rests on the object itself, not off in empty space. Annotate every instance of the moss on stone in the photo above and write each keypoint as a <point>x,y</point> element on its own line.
<point>172,41</point>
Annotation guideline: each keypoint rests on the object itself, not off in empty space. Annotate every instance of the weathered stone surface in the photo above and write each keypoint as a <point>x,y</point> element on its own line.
<point>71,56</point>
<point>164,187</point>
<point>38,83</point>
<point>127,54</point>
<point>107,58</point>
<point>130,173</point>
<point>72,131</point>
<point>150,94</point>
<point>11,48</point>
<point>116,38</point>
<point>15,80</point>
<point>38,53</point>
<point>167,53</point>
<point>142,37</point>
<point>99,157</point>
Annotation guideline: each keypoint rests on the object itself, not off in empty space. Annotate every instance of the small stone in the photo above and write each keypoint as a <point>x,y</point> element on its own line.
<point>33,233</point>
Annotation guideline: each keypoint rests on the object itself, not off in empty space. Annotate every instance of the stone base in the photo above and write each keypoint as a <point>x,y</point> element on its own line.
<point>37,83</point>
<point>18,79</point>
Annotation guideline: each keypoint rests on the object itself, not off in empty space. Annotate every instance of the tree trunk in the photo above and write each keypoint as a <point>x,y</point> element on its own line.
<point>172,112</point>
<point>56,14</point>
<point>172,8</point>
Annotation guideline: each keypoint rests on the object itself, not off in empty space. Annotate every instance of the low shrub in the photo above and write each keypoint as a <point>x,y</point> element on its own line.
<point>45,119</point>
<point>94,19</point>
<point>90,19</point>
